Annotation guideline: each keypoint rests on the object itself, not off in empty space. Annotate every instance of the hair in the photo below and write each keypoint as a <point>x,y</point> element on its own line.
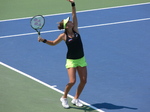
<point>60,25</point>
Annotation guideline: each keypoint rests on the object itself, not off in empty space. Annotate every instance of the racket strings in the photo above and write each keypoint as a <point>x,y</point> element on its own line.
<point>37,22</point>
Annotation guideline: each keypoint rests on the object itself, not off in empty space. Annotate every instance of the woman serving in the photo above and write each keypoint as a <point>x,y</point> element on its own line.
<point>75,60</point>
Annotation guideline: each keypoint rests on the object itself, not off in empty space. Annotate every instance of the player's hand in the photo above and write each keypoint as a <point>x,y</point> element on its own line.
<point>40,39</point>
<point>71,1</point>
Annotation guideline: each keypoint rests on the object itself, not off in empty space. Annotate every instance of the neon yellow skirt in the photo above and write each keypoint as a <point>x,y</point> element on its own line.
<point>72,63</point>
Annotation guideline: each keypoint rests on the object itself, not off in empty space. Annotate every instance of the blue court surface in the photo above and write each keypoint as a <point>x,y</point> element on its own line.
<point>117,49</point>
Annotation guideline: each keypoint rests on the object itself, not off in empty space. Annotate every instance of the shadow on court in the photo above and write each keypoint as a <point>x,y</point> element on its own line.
<point>111,106</point>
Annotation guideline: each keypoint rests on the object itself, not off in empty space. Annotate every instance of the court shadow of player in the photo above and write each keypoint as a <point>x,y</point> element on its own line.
<point>111,106</point>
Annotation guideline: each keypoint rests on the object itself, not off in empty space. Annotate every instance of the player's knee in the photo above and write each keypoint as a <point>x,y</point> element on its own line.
<point>71,83</point>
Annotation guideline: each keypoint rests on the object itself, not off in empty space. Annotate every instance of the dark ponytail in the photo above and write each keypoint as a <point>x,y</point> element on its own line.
<point>60,25</point>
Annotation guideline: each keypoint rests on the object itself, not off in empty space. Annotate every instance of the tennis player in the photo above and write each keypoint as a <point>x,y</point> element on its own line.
<point>75,61</point>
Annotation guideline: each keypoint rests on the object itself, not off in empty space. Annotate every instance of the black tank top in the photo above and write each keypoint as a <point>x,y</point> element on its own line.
<point>75,47</point>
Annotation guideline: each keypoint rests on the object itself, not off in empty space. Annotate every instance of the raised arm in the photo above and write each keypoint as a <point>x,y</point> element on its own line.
<point>74,16</point>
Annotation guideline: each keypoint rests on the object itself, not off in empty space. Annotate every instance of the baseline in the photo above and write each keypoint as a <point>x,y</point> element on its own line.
<point>80,11</point>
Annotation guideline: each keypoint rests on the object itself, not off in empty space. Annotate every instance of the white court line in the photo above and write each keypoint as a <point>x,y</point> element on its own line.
<point>81,11</point>
<point>98,25</point>
<point>47,85</point>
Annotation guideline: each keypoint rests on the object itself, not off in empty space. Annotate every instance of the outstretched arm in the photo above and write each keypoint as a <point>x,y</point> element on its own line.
<point>74,16</point>
<point>52,43</point>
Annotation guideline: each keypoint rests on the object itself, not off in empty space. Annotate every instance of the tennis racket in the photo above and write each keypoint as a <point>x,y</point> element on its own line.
<point>37,23</point>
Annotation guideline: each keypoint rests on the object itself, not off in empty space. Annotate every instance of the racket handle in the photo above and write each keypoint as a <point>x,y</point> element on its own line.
<point>39,36</point>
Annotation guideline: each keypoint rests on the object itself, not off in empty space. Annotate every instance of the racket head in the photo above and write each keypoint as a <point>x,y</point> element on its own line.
<point>37,22</point>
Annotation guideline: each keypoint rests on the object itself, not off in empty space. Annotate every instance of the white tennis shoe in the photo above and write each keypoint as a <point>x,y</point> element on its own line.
<point>77,102</point>
<point>64,102</point>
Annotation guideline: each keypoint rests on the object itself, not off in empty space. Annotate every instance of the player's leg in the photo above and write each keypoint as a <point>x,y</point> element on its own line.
<point>82,71</point>
<point>72,80</point>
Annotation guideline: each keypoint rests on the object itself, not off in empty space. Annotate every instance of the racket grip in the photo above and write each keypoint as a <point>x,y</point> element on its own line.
<point>39,38</point>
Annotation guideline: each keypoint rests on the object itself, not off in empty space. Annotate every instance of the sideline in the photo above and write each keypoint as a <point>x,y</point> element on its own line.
<point>47,85</point>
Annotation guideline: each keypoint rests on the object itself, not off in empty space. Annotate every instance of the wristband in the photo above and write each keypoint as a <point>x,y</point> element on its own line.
<point>72,4</point>
<point>44,41</point>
